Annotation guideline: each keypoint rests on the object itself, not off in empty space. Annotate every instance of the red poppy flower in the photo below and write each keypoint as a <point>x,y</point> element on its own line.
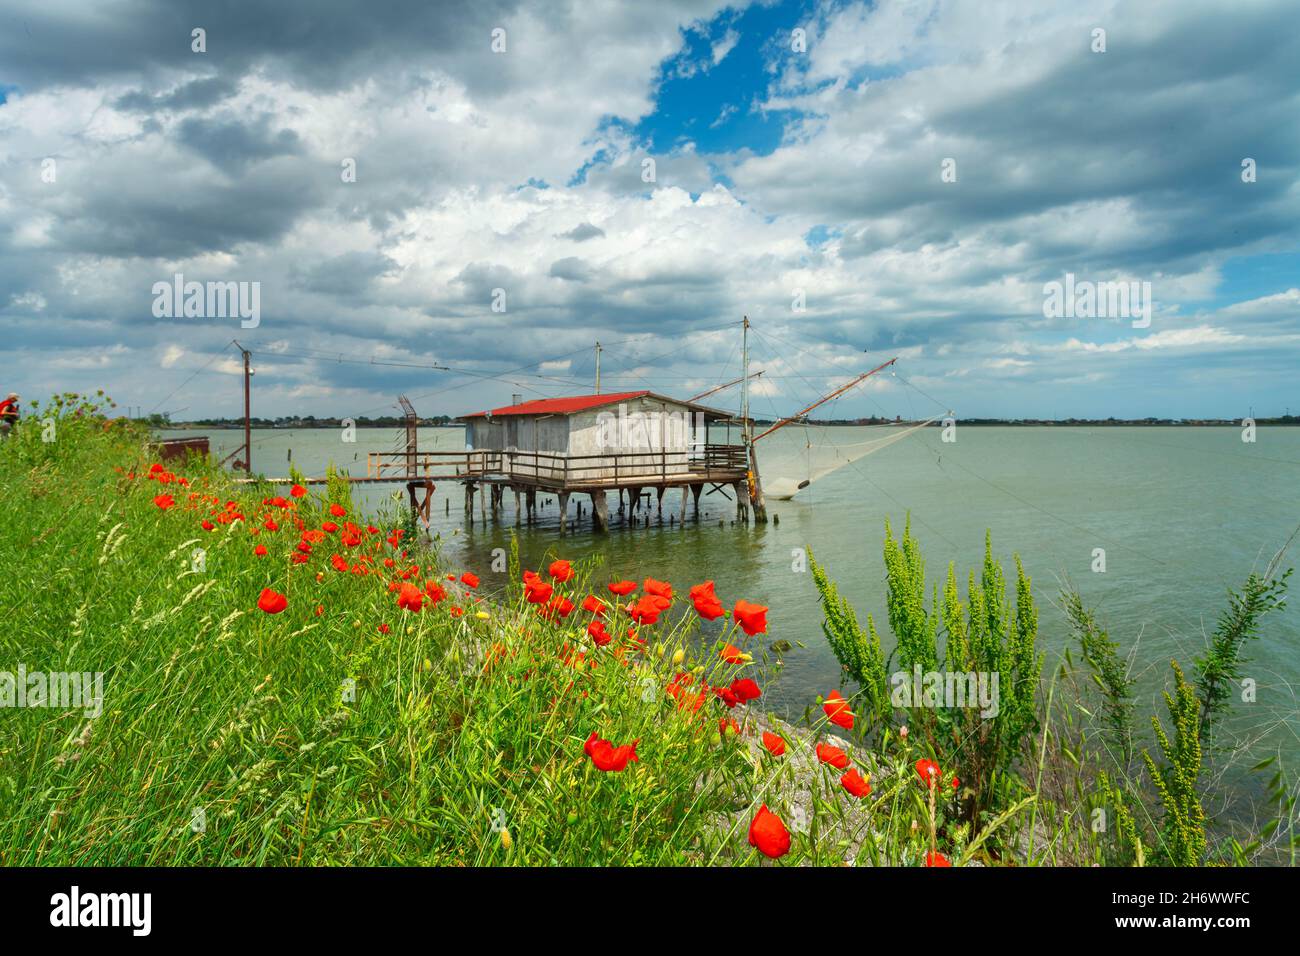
<point>383,628</point>
<point>559,605</point>
<point>329,526</point>
<point>704,590</point>
<point>272,602</point>
<point>837,709</point>
<point>338,511</point>
<point>710,611</point>
<point>164,501</point>
<point>410,598</point>
<point>746,689</point>
<point>855,784</point>
<point>955,782</point>
<point>752,617</point>
<point>469,580</point>
<point>435,591</point>
<point>206,525</point>
<point>706,602</point>
<point>768,834</point>
<point>929,772</point>
<point>538,592</point>
<point>732,654</point>
<point>646,610</point>
<point>726,695</point>
<point>297,491</point>
<point>622,588</point>
<point>774,743</point>
<point>598,633</point>
<point>658,588</point>
<point>320,609</point>
<point>834,756</point>
<point>260,550</point>
<point>560,570</point>
<point>593,604</point>
<point>605,756</point>
<point>270,525</point>
<point>935,858</point>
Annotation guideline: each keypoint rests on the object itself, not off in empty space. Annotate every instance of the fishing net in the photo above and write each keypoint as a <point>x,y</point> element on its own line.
<point>783,479</point>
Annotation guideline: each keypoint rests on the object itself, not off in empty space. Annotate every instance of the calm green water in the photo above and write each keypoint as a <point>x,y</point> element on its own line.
<point>1182,513</point>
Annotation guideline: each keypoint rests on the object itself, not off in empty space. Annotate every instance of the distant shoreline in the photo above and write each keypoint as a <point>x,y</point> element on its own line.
<point>445,422</point>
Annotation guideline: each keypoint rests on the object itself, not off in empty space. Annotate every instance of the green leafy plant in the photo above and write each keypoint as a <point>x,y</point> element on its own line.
<point>1183,830</point>
<point>1222,664</point>
<point>857,650</point>
<point>986,634</point>
<point>1108,671</point>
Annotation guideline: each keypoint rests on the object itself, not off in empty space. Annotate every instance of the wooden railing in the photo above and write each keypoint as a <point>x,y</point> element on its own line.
<point>706,463</point>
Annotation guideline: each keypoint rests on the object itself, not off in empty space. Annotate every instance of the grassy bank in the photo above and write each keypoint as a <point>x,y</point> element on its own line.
<point>285,682</point>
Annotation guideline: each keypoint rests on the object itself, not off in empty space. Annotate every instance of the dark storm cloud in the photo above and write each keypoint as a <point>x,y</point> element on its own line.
<point>232,145</point>
<point>347,276</point>
<point>152,221</point>
<point>582,232</point>
<point>196,94</point>
<point>570,268</point>
<point>323,44</point>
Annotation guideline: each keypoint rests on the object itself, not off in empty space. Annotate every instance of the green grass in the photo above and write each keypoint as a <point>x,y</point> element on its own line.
<point>467,719</point>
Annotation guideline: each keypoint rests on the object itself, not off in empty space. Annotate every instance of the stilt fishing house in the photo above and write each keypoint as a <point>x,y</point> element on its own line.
<point>622,442</point>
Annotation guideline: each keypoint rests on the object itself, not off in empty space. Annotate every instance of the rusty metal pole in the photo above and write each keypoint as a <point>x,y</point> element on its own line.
<point>248,426</point>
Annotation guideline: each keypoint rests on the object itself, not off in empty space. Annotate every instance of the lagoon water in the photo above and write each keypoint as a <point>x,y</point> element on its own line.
<point>1182,514</point>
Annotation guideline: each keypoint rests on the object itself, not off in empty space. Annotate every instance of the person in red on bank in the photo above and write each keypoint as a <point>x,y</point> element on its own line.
<point>8,413</point>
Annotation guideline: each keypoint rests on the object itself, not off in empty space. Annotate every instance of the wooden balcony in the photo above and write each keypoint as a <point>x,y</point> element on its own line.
<point>552,471</point>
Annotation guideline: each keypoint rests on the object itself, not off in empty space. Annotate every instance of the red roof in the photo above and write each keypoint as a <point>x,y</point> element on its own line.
<point>561,406</point>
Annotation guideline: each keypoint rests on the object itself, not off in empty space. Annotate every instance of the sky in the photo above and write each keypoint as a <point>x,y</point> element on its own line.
<point>455,201</point>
